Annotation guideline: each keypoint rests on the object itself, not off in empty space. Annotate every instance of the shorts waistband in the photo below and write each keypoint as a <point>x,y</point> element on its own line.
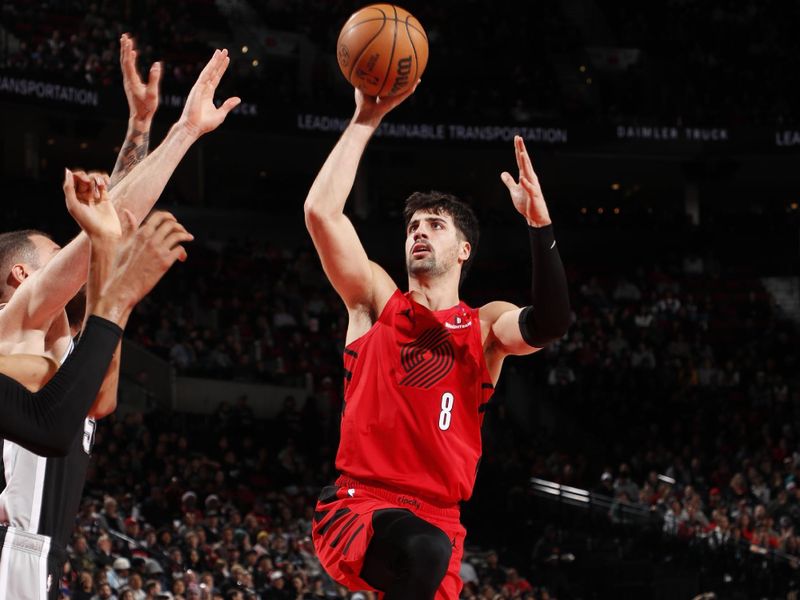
<point>403,499</point>
<point>19,540</point>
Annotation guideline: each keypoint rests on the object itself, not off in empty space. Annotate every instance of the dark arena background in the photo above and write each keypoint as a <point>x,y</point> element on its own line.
<point>651,453</point>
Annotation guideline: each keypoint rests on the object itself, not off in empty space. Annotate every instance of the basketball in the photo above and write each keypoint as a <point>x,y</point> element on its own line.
<point>382,50</point>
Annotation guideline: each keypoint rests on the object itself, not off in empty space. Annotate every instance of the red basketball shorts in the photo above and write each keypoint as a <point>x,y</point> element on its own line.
<point>343,529</point>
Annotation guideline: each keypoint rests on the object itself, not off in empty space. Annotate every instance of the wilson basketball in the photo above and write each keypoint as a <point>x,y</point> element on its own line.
<point>382,50</point>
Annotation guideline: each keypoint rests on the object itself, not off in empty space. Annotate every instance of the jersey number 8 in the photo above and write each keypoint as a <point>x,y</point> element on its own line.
<point>445,416</point>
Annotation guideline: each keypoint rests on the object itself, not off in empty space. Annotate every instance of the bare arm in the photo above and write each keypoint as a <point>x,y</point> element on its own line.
<point>142,104</point>
<point>104,293</point>
<point>51,287</point>
<point>31,371</point>
<point>47,421</point>
<point>504,336</point>
<point>343,256</point>
<point>362,285</point>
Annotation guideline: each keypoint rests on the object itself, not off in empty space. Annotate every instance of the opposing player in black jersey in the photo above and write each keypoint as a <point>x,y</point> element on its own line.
<point>121,272</point>
<point>41,495</point>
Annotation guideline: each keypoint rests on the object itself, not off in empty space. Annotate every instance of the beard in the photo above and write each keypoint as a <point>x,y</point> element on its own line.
<point>430,266</point>
<point>426,266</point>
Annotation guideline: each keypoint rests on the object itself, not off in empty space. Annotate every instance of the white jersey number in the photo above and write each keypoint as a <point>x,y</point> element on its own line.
<point>445,416</point>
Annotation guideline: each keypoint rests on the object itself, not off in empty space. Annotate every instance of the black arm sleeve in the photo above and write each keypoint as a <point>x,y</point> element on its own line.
<point>547,319</point>
<point>46,422</point>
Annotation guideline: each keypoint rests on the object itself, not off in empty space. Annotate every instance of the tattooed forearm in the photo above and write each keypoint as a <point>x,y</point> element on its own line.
<point>133,152</point>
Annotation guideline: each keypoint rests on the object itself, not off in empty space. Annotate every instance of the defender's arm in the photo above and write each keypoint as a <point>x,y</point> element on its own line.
<point>49,289</point>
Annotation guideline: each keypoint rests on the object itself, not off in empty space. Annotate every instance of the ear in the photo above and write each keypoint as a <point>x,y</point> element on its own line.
<point>465,251</point>
<point>19,273</point>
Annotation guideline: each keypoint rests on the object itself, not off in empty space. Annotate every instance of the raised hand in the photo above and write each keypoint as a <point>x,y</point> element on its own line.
<point>527,193</point>
<point>200,115</point>
<point>142,97</point>
<point>370,110</point>
<point>146,254</point>
<point>87,201</point>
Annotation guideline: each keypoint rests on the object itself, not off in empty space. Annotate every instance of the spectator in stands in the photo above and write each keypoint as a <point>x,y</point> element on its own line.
<point>118,575</point>
<point>492,573</point>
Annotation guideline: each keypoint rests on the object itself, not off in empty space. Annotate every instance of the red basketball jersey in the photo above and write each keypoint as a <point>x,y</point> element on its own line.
<point>416,386</point>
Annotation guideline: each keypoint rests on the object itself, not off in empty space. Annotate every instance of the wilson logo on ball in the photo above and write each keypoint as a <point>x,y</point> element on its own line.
<point>403,71</point>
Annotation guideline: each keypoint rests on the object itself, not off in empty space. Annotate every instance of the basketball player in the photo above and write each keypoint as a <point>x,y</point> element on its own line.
<point>42,414</point>
<point>41,495</point>
<point>420,367</point>
<point>121,272</point>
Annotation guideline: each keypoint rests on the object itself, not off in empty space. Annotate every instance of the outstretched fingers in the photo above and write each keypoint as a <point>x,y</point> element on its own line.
<point>127,59</point>
<point>506,177</point>
<point>154,78</point>
<point>524,160</point>
<point>222,66</point>
<point>529,186</point>
<point>229,105</point>
<point>177,237</point>
<point>154,221</point>
<point>207,74</point>
<point>171,232</point>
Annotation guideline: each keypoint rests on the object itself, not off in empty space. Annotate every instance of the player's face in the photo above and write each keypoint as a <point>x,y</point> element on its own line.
<point>433,244</point>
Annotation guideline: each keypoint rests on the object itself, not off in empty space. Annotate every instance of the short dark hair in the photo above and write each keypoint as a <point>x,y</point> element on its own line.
<point>16,246</point>
<point>463,217</point>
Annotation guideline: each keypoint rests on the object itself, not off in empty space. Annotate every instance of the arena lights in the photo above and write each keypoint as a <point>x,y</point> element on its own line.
<point>588,81</point>
<point>615,186</point>
<point>591,501</point>
<point>793,206</point>
<point>601,210</point>
<point>245,49</point>
<point>556,489</point>
<point>582,68</point>
<point>616,210</point>
<point>255,62</point>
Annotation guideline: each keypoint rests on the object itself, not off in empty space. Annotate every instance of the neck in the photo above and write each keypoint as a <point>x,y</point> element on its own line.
<point>435,294</point>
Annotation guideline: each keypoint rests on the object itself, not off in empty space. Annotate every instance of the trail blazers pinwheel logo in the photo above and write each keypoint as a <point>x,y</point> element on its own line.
<point>427,359</point>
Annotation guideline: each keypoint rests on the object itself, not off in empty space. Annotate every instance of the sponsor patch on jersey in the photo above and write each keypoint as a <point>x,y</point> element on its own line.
<point>458,321</point>
<point>406,501</point>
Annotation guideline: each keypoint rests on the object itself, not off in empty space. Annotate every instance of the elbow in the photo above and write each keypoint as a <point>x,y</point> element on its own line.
<point>316,215</point>
<point>103,411</point>
<point>105,404</point>
<point>313,214</point>
<point>541,330</point>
